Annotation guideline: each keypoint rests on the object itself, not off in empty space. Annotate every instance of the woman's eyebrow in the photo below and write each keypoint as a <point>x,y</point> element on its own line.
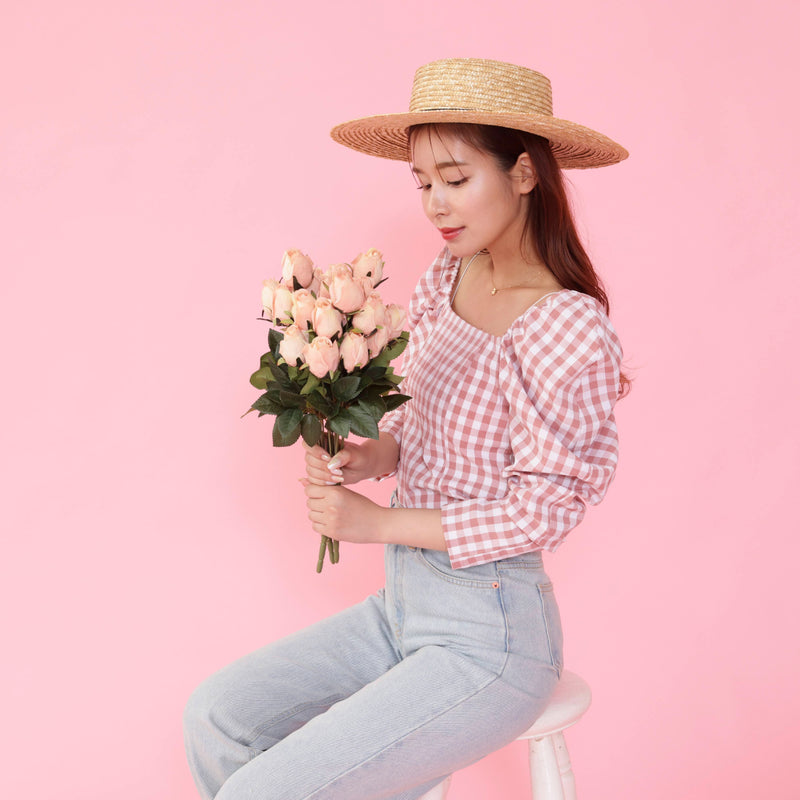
<point>442,165</point>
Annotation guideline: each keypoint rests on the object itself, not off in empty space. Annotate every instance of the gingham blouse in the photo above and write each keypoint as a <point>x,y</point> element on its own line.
<point>510,436</point>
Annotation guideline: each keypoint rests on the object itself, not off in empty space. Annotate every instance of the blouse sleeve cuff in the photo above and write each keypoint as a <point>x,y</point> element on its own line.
<point>477,531</point>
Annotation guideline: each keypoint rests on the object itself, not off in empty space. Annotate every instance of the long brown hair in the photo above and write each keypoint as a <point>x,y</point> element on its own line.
<point>549,226</point>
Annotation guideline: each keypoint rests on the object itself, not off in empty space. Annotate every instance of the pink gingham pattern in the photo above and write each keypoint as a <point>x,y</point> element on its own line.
<point>510,436</point>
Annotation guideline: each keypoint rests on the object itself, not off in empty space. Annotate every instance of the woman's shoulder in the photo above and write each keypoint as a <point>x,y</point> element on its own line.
<point>568,325</point>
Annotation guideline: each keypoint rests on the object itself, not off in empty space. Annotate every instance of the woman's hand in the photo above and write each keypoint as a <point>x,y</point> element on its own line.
<point>350,465</point>
<point>343,514</point>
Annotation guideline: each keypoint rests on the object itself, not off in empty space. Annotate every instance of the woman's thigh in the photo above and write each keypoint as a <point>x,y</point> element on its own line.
<point>266,695</point>
<point>431,714</point>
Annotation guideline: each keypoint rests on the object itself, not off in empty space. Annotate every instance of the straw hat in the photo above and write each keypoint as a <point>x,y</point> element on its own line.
<point>485,92</point>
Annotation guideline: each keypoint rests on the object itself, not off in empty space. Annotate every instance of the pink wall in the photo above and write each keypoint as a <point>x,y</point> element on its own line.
<point>157,157</point>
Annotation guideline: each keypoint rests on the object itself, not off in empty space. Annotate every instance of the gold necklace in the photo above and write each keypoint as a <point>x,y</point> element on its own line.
<point>495,290</point>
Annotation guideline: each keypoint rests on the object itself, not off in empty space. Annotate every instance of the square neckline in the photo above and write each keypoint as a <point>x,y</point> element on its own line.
<point>452,288</point>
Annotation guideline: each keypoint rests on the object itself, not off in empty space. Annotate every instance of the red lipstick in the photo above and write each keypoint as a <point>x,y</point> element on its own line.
<point>450,233</point>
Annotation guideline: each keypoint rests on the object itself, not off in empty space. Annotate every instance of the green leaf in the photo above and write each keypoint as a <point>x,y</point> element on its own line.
<point>375,407</point>
<point>282,378</point>
<point>267,405</point>
<point>274,339</point>
<point>289,419</point>
<point>279,440</point>
<point>345,389</point>
<point>261,377</point>
<point>360,421</point>
<point>268,360</point>
<point>396,347</point>
<point>380,361</point>
<point>340,424</point>
<point>292,400</point>
<point>311,429</point>
<point>312,381</point>
<point>395,400</point>
<point>321,404</point>
<point>286,429</point>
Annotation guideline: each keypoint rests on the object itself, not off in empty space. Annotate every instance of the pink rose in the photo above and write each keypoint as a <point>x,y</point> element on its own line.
<point>354,351</point>
<point>322,356</point>
<point>268,296</point>
<point>292,345</point>
<point>371,315</point>
<point>377,341</point>
<point>316,286</point>
<point>369,265</point>
<point>297,265</point>
<point>395,320</point>
<point>282,305</point>
<point>327,321</point>
<point>302,308</point>
<point>346,292</point>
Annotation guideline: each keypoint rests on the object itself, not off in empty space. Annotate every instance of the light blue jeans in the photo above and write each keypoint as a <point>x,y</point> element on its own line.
<point>387,698</point>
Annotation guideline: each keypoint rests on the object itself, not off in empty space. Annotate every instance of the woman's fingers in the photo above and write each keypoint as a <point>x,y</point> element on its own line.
<point>318,467</point>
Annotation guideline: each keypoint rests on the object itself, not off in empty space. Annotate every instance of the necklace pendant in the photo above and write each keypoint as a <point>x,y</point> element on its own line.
<point>494,291</point>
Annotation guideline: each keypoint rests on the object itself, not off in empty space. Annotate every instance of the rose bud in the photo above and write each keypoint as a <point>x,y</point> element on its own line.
<point>292,345</point>
<point>282,305</point>
<point>395,320</point>
<point>354,351</point>
<point>346,292</point>
<point>327,321</point>
<point>322,356</point>
<point>369,265</point>
<point>303,304</point>
<point>297,265</point>
<point>370,316</point>
<point>316,284</point>
<point>268,296</point>
<point>378,341</point>
<point>366,285</point>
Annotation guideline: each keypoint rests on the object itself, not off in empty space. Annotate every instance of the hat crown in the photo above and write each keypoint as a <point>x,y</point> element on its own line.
<point>473,84</point>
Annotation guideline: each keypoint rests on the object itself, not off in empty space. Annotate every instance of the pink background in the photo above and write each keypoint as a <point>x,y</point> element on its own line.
<point>158,157</point>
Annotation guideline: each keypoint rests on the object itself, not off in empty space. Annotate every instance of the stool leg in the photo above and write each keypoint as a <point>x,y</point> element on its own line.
<point>564,766</point>
<point>545,772</point>
<point>439,792</point>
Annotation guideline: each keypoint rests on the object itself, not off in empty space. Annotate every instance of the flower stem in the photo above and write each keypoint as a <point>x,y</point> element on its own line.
<point>323,543</point>
<point>331,443</point>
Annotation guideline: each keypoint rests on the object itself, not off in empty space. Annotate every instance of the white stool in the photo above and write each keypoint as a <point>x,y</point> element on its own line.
<point>551,771</point>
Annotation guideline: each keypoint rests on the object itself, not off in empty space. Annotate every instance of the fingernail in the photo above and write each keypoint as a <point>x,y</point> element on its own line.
<point>326,457</point>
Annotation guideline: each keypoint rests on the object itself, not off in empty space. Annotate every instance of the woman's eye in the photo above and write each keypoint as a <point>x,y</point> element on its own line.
<point>459,182</point>
<point>424,187</point>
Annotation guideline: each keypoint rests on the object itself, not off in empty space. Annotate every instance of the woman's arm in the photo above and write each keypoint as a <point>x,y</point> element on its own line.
<point>348,516</point>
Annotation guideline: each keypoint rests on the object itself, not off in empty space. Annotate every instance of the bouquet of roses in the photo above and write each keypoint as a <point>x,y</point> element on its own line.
<point>327,373</point>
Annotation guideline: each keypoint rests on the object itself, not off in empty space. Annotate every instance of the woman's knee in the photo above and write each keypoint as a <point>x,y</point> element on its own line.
<point>197,712</point>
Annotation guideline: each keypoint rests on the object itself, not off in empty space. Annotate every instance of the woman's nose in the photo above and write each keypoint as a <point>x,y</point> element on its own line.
<point>437,202</point>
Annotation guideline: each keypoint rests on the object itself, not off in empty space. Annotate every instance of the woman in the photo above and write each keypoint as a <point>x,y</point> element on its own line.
<point>513,370</point>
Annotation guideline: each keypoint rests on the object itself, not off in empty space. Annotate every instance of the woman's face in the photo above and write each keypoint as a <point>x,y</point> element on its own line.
<point>473,202</point>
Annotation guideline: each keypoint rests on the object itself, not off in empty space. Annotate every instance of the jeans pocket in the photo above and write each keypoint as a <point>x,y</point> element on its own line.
<point>552,624</point>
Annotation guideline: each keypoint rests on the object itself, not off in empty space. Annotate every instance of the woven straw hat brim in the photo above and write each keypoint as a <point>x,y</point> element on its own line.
<point>574,146</point>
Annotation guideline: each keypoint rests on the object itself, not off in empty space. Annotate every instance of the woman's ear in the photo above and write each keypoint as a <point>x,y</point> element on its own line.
<point>524,174</point>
